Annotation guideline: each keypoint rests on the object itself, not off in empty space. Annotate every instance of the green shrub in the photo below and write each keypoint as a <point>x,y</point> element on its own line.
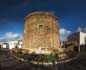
<point>41,58</point>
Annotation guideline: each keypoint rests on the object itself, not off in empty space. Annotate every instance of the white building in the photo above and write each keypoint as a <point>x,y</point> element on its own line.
<point>77,39</point>
<point>12,44</point>
<point>4,45</point>
<point>15,44</point>
<point>82,38</point>
<point>19,44</point>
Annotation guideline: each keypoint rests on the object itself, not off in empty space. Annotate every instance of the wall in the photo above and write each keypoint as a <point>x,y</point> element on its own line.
<point>82,38</point>
<point>40,31</point>
<point>12,44</point>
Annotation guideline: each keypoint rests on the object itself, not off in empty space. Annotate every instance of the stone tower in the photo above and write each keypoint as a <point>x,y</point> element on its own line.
<point>41,32</point>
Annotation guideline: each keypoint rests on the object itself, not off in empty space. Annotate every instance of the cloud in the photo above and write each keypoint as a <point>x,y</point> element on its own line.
<point>8,36</point>
<point>11,35</point>
<point>64,33</point>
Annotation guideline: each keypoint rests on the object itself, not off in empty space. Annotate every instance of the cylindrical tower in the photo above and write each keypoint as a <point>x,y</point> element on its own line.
<point>41,32</point>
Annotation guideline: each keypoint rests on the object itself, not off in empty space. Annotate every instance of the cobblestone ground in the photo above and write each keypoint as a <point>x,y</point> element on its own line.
<point>8,62</point>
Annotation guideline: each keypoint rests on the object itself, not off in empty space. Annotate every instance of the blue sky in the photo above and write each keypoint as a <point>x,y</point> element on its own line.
<point>71,14</point>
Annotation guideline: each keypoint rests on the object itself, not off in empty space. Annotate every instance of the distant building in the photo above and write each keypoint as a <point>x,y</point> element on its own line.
<point>15,44</point>
<point>77,40</point>
<point>4,45</point>
<point>19,44</point>
<point>0,45</point>
<point>41,32</point>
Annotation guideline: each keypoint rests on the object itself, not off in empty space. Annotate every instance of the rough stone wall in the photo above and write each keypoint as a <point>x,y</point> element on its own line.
<point>74,39</point>
<point>40,31</point>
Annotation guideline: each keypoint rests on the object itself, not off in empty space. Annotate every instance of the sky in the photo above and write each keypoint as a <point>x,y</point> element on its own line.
<point>71,15</point>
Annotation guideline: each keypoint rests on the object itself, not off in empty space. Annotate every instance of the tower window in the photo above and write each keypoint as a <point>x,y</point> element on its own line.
<point>40,26</point>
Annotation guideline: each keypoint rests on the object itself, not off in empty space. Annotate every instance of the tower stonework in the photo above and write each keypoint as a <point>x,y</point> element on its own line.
<point>41,32</point>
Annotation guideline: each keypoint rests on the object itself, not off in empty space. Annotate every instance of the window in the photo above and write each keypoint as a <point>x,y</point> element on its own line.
<point>41,27</point>
<point>42,48</point>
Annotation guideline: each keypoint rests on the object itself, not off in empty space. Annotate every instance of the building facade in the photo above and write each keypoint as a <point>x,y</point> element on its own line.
<point>41,32</point>
<point>15,44</point>
<point>82,38</point>
<point>4,45</point>
<point>77,39</point>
